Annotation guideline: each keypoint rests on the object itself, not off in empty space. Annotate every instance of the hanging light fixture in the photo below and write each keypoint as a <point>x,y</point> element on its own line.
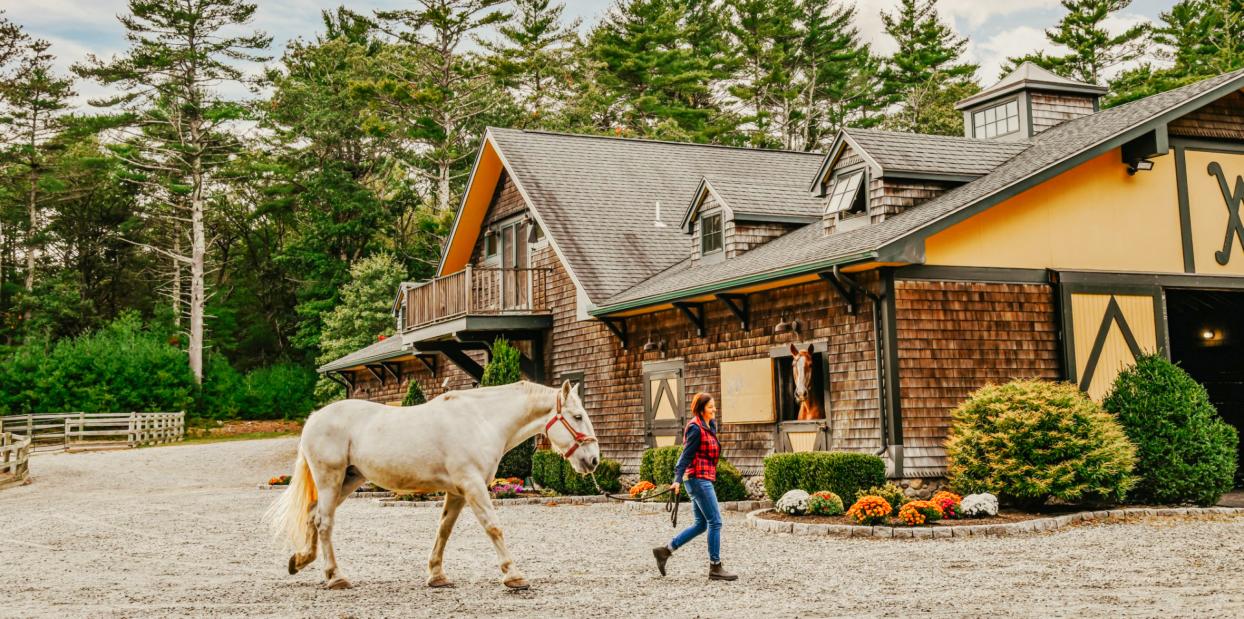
<point>786,327</point>
<point>652,345</point>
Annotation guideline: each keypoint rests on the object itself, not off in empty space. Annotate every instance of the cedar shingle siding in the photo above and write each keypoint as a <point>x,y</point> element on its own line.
<point>955,337</point>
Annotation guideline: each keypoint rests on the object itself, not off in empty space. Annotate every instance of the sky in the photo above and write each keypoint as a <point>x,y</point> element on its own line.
<point>996,29</point>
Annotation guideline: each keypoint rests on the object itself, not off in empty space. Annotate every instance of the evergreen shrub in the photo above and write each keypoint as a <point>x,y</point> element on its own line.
<point>840,472</point>
<point>1030,441</point>
<point>1184,451</point>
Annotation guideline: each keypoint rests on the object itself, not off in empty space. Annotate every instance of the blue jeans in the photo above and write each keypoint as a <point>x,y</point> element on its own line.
<point>707,517</point>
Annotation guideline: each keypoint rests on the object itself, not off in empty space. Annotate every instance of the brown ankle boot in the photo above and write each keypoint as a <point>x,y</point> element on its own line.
<point>717,572</point>
<point>662,554</point>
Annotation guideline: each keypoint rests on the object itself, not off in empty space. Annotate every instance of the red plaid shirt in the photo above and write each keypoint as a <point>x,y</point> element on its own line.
<point>704,463</point>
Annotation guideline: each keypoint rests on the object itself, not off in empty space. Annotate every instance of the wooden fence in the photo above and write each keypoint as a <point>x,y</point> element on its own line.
<point>65,431</point>
<point>14,459</point>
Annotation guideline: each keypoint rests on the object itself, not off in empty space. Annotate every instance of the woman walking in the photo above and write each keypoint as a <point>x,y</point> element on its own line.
<point>698,462</point>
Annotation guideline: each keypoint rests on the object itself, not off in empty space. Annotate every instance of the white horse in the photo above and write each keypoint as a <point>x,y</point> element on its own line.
<point>452,444</point>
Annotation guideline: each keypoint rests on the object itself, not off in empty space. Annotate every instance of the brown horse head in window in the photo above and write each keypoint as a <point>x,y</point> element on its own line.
<point>801,367</point>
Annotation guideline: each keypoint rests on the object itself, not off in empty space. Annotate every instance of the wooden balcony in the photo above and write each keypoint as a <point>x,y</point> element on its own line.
<point>477,299</point>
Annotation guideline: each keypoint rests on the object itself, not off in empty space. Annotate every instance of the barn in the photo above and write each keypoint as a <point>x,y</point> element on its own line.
<point>1055,239</point>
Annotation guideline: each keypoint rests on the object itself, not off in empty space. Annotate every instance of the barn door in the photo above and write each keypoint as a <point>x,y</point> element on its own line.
<point>663,403</point>
<point>1106,328</point>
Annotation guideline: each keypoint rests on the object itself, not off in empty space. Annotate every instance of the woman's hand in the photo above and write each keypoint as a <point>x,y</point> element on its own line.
<point>674,487</point>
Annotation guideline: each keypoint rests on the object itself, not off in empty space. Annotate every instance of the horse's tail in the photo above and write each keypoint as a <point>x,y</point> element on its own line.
<point>289,516</point>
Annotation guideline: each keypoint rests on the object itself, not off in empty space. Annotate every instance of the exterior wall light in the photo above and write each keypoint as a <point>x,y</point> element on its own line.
<point>786,327</point>
<point>653,345</point>
<point>1139,165</point>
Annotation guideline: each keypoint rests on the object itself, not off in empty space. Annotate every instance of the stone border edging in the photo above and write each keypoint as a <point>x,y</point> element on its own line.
<point>545,500</point>
<point>1026,527</point>
<point>728,506</point>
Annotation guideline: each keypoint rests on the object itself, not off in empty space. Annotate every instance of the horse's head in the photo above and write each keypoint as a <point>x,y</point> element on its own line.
<point>801,365</point>
<point>570,431</point>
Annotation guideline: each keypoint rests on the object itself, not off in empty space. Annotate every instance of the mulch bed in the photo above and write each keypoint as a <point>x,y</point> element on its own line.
<point>1004,516</point>
<point>230,428</point>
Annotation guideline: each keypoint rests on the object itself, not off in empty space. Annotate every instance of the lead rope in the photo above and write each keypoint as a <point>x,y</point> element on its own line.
<point>671,499</point>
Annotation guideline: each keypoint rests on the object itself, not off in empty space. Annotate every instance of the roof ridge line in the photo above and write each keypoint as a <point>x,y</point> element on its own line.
<point>652,141</point>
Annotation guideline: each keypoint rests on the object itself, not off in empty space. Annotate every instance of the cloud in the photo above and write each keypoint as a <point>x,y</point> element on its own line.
<point>992,52</point>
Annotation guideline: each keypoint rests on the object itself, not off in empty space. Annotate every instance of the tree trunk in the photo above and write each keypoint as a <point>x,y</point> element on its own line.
<point>198,252</point>
<point>176,278</point>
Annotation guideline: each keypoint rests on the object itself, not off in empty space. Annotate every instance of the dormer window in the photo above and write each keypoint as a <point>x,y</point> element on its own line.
<point>711,238</point>
<point>998,120</point>
<point>846,196</point>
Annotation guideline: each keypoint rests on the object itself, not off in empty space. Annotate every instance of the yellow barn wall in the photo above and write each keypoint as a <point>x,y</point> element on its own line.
<point>1208,213</point>
<point>1092,217</point>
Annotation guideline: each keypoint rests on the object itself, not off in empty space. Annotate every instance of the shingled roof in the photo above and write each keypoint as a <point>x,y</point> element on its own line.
<point>898,153</point>
<point>764,198</point>
<point>597,196</point>
<point>388,348</point>
<point>1049,154</point>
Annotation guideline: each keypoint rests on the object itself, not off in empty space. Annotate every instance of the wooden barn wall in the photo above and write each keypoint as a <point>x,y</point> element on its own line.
<point>366,387</point>
<point>741,236</point>
<point>1051,109</point>
<point>614,388</point>
<point>955,337</point>
<point>1223,118</point>
<point>888,197</point>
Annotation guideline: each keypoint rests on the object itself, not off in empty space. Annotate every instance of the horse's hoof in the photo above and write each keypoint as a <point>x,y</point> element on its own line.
<point>440,582</point>
<point>338,583</point>
<point>518,584</point>
<point>293,565</point>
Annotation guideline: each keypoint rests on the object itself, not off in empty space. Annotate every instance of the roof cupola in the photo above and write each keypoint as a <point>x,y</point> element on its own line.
<point>1026,102</point>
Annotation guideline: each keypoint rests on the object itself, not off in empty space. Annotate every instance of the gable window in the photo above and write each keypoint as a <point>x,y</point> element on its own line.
<point>490,244</point>
<point>997,120</point>
<point>846,195</point>
<point>710,233</point>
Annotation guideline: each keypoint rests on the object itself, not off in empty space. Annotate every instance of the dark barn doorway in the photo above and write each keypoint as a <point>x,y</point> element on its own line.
<point>1207,340</point>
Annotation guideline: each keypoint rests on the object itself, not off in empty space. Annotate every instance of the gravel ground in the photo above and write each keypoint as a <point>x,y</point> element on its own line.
<point>175,531</point>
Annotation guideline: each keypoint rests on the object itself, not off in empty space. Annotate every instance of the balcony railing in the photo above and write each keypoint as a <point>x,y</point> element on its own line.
<point>476,291</point>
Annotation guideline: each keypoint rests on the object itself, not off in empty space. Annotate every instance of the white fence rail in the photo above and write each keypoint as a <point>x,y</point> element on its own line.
<point>14,459</point>
<point>65,431</point>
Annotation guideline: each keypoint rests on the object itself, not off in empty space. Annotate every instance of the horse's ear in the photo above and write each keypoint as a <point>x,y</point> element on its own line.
<point>794,351</point>
<point>565,391</point>
<point>811,347</point>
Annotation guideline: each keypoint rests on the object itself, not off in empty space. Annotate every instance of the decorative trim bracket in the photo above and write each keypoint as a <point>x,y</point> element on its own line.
<point>739,305</point>
<point>618,327</point>
<point>694,312</point>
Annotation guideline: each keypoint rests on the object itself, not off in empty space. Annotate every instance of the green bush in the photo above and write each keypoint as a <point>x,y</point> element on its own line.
<point>657,466</point>
<point>1185,452</point>
<point>120,368</point>
<point>223,391</point>
<point>414,394</point>
<point>279,391</point>
<point>889,491</point>
<point>503,369</point>
<point>1030,440</point>
<point>840,472</point>
<point>552,471</point>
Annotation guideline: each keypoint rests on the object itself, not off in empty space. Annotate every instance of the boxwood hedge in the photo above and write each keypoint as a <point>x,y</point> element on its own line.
<point>842,473</point>
<point>552,471</point>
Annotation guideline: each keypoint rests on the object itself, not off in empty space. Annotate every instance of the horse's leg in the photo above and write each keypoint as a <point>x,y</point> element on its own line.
<point>330,483</point>
<point>449,515</point>
<point>481,504</point>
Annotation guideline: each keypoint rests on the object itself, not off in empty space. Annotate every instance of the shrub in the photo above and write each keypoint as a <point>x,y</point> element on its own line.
<point>414,394</point>
<point>657,466</point>
<point>888,491</point>
<point>825,503</point>
<point>552,471</point>
<point>279,391</point>
<point>949,503</point>
<point>1029,441</point>
<point>916,513</point>
<point>503,369</point>
<point>842,473</point>
<point>1185,451</point>
<point>870,510</point>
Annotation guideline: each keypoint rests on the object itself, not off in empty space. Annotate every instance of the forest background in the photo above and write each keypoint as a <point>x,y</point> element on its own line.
<point>175,246</point>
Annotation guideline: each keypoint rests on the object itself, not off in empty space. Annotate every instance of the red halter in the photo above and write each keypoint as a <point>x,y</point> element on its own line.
<point>579,437</point>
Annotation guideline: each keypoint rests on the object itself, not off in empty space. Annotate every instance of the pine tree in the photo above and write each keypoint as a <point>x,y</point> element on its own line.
<point>36,99</point>
<point>1198,38</point>
<point>436,93</point>
<point>533,57</point>
<point>839,81</point>
<point>767,39</point>
<point>179,53</point>
<point>1094,50</point>
<point>658,61</point>
<point>364,313</point>
<point>924,76</point>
